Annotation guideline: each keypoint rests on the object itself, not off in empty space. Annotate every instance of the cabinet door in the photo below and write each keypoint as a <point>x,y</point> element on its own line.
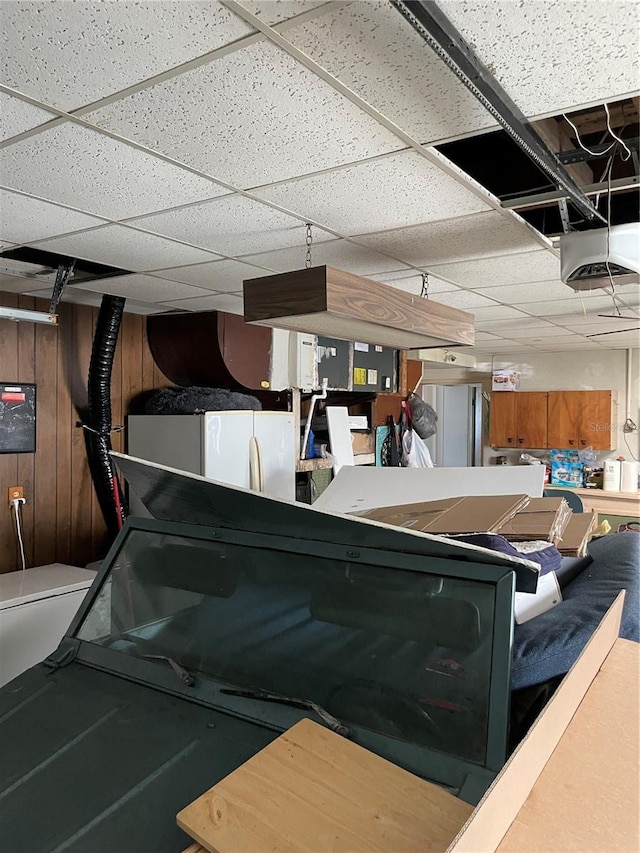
<point>275,434</point>
<point>564,419</point>
<point>597,427</point>
<point>532,418</point>
<point>503,419</point>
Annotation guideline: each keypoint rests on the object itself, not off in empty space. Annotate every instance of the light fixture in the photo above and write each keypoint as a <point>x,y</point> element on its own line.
<point>325,301</point>
<point>19,314</point>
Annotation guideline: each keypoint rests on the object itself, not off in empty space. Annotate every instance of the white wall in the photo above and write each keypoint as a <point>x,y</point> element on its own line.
<point>563,371</point>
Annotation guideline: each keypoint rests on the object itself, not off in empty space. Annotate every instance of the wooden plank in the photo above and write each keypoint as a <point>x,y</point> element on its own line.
<point>498,808</point>
<point>26,461</point>
<point>312,790</point>
<point>45,512</point>
<point>8,461</point>
<point>587,797</point>
<point>326,301</point>
<point>65,426</point>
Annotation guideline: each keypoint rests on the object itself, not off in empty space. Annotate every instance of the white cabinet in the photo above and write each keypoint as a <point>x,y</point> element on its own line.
<point>254,450</point>
<point>36,608</point>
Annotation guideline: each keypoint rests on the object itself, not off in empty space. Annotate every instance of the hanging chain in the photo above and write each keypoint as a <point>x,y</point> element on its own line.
<point>425,286</point>
<point>309,240</point>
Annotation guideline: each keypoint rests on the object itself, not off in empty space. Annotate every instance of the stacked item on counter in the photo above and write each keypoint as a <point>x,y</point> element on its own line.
<point>543,530</point>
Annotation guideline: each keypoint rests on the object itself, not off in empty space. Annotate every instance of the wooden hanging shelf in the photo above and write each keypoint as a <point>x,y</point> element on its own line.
<point>326,301</point>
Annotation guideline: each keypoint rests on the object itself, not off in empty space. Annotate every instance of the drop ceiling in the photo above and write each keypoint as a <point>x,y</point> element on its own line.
<point>190,142</point>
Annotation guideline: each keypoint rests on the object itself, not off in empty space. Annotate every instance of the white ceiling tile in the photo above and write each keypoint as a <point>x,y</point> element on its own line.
<point>73,165</point>
<point>411,282</point>
<point>466,300</point>
<point>523,267</point>
<point>497,312</point>
<point>71,54</point>
<point>516,294</point>
<point>591,316</point>
<point>275,11</point>
<point>231,303</point>
<point>534,333</point>
<point>126,248</point>
<point>18,115</point>
<point>537,50</point>
<point>571,307</point>
<point>465,237</point>
<point>24,219</point>
<point>233,225</point>
<point>391,192</point>
<point>14,283</point>
<point>145,288</point>
<point>341,254</point>
<point>599,325</point>
<point>372,49</point>
<point>253,117</point>
<point>222,276</point>
<point>85,297</point>
<point>4,245</point>
<point>619,341</point>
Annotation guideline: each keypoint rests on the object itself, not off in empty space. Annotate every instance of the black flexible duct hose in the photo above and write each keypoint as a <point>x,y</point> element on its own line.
<point>98,434</point>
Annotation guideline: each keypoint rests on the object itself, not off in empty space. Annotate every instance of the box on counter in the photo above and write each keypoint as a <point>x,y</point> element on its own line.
<point>566,468</point>
<point>505,380</point>
<point>363,442</point>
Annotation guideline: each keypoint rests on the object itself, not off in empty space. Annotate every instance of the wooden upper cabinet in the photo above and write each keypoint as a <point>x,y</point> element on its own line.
<point>503,422</point>
<point>532,418</point>
<point>581,419</point>
<point>564,419</point>
<point>598,416</point>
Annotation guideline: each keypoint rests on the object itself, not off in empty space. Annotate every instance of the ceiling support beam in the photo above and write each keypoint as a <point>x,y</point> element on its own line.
<point>542,199</point>
<point>440,34</point>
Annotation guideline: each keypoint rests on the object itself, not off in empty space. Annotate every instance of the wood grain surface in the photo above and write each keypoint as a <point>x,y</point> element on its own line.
<point>311,791</point>
<point>62,519</point>
<point>327,301</point>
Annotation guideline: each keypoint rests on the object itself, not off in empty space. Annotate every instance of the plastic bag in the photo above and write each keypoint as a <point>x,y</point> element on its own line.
<point>415,453</point>
<point>423,416</point>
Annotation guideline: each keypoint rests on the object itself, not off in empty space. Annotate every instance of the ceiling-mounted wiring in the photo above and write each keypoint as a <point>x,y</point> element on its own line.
<point>581,143</point>
<point>617,138</point>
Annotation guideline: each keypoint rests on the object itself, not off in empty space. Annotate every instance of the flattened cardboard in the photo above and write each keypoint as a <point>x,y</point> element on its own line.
<point>575,537</point>
<point>468,514</point>
<point>542,518</point>
<point>587,796</point>
<point>499,807</point>
<point>312,790</point>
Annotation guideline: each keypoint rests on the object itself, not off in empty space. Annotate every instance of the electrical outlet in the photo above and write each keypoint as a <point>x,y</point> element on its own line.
<point>15,492</point>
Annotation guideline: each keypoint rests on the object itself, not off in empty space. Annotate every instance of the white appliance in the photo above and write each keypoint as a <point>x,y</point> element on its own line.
<point>458,440</point>
<point>255,450</point>
<point>36,608</point>
<point>591,259</point>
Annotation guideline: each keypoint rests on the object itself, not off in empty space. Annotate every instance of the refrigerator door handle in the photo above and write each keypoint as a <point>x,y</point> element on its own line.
<point>256,471</point>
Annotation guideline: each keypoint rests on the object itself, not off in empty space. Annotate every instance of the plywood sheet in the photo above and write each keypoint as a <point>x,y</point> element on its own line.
<point>501,804</point>
<point>587,797</point>
<point>312,790</point>
<point>467,514</point>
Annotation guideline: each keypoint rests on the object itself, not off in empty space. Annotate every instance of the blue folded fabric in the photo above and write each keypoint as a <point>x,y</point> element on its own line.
<point>547,646</point>
<point>549,559</point>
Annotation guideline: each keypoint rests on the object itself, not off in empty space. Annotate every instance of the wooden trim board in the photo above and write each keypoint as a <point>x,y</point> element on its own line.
<point>587,797</point>
<point>499,807</point>
<point>311,791</point>
<point>326,301</point>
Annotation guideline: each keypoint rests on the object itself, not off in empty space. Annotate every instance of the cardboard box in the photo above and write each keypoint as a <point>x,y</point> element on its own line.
<point>505,380</point>
<point>363,442</point>
<point>468,514</point>
<point>575,537</point>
<point>572,783</point>
<point>542,518</point>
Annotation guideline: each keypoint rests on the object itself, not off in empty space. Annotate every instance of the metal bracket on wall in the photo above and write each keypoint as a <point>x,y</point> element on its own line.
<point>440,34</point>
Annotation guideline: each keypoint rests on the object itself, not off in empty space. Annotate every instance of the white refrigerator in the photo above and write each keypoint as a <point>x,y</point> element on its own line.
<point>255,450</point>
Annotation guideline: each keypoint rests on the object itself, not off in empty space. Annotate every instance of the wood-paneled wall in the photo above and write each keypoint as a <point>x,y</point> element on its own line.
<point>62,518</point>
